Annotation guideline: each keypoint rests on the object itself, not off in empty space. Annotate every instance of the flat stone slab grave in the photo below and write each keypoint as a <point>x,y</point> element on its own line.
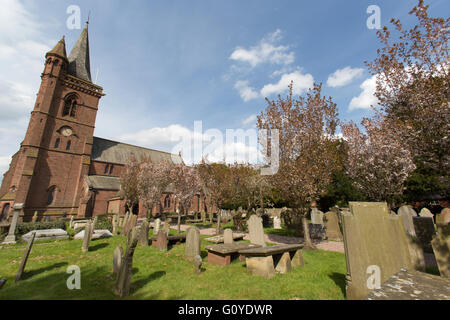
<point>98,234</point>
<point>170,239</point>
<point>412,285</point>
<point>220,239</point>
<point>266,261</point>
<point>48,234</point>
<point>222,254</point>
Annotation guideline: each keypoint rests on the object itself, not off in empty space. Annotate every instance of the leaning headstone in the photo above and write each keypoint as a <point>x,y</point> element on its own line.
<point>198,264</point>
<point>424,228</point>
<point>11,238</point>
<point>444,217</point>
<point>97,234</point>
<point>333,232</point>
<point>87,237</point>
<point>71,222</point>
<point>23,263</point>
<point>228,236</point>
<point>316,216</point>
<point>115,224</point>
<point>123,282</point>
<point>276,222</point>
<point>35,216</point>
<point>157,226</point>
<point>426,213</point>
<point>441,249</point>
<point>94,223</point>
<point>193,243</point>
<point>375,242</point>
<point>143,234</point>
<point>407,213</point>
<point>256,231</point>
<point>125,219</point>
<point>117,259</point>
<point>161,240</point>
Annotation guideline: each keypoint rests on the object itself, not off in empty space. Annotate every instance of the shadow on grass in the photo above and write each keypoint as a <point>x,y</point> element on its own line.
<point>98,247</point>
<point>142,282</point>
<point>339,280</point>
<point>28,274</point>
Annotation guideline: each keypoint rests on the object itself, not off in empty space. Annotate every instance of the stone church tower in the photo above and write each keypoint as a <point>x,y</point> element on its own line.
<point>48,171</point>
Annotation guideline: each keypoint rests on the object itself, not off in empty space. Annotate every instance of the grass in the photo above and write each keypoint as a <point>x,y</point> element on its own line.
<point>162,275</point>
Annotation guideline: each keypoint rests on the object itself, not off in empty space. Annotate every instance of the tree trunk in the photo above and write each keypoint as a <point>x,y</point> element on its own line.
<point>308,243</point>
<point>219,218</point>
<point>179,221</point>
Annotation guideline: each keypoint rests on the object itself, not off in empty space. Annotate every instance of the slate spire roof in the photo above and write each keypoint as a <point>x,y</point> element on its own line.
<point>59,49</point>
<point>79,63</point>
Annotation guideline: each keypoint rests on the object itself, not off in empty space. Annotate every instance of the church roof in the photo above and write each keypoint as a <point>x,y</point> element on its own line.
<point>117,152</point>
<point>79,62</point>
<point>59,49</point>
<point>104,183</point>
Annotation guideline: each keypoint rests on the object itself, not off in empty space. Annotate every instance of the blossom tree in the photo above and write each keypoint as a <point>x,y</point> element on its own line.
<point>307,153</point>
<point>377,161</point>
<point>186,184</point>
<point>129,189</point>
<point>413,86</point>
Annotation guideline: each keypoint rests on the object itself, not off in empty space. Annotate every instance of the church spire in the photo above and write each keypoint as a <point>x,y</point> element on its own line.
<point>59,49</point>
<point>79,64</point>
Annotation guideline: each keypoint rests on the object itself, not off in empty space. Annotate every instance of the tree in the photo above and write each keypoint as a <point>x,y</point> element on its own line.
<point>377,161</point>
<point>153,181</point>
<point>186,184</point>
<point>307,153</point>
<point>413,87</point>
<point>216,183</point>
<point>129,189</point>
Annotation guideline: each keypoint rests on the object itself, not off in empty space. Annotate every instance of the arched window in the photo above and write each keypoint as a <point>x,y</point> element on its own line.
<point>57,143</point>
<point>51,195</point>
<point>106,169</point>
<point>70,107</point>
<point>69,143</point>
<point>5,212</point>
<point>167,202</point>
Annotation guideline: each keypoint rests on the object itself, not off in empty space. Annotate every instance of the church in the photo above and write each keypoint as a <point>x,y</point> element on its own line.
<point>61,168</point>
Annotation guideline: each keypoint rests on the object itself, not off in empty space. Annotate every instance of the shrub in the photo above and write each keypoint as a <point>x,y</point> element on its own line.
<point>25,227</point>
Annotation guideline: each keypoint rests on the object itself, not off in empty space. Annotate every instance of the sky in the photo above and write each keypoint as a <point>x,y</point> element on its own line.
<point>167,65</point>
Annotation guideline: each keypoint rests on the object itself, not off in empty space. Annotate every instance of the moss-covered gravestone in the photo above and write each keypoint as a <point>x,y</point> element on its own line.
<point>376,246</point>
<point>443,218</point>
<point>333,232</point>
<point>26,254</point>
<point>143,233</point>
<point>193,243</point>
<point>123,282</point>
<point>256,230</point>
<point>441,249</point>
<point>407,213</point>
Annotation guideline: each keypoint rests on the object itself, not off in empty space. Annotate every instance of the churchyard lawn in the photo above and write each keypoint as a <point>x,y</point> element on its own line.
<point>162,275</point>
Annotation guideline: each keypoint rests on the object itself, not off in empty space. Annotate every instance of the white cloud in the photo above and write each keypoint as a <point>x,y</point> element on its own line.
<point>302,82</point>
<point>245,91</point>
<point>367,98</point>
<point>265,51</point>
<point>249,120</point>
<point>343,76</point>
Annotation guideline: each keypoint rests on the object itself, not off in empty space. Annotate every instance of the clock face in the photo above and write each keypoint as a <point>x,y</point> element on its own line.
<point>66,131</point>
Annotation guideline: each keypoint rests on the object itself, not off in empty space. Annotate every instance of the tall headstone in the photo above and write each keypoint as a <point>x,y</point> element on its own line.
<point>407,213</point>
<point>316,216</point>
<point>71,222</point>
<point>277,222</point>
<point>424,228</point>
<point>443,218</point>
<point>35,216</point>
<point>441,249</point>
<point>157,226</point>
<point>332,230</point>
<point>161,240</point>
<point>143,234</point>
<point>11,238</point>
<point>193,243</point>
<point>87,237</point>
<point>117,259</point>
<point>256,230</point>
<point>374,241</point>
<point>166,227</point>
<point>93,224</point>
<point>23,263</point>
<point>123,282</point>
<point>228,236</point>
<point>426,213</point>
<point>115,224</point>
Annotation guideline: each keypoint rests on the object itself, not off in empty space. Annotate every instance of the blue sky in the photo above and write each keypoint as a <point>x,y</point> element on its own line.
<point>166,64</point>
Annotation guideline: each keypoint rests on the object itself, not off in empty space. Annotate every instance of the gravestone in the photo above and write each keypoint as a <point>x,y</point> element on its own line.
<point>276,222</point>
<point>444,217</point>
<point>143,234</point>
<point>117,259</point>
<point>333,232</point>
<point>35,216</point>
<point>11,238</point>
<point>97,234</point>
<point>125,219</point>
<point>193,243</point>
<point>71,222</point>
<point>166,227</point>
<point>87,237</point>
<point>256,231</point>
<point>123,282</point>
<point>375,240</point>
<point>115,224</point>
<point>198,264</point>
<point>157,226</point>
<point>23,263</point>
<point>48,234</point>
<point>131,223</point>
<point>161,240</point>
<point>424,228</point>
<point>203,214</point>
<point>94,223</point>
<point>316,216</point>
<point>441,249</point>
<point>426,213</point>
<point>211,215</point>
<point>407,213</point>
<point>228,236</point>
